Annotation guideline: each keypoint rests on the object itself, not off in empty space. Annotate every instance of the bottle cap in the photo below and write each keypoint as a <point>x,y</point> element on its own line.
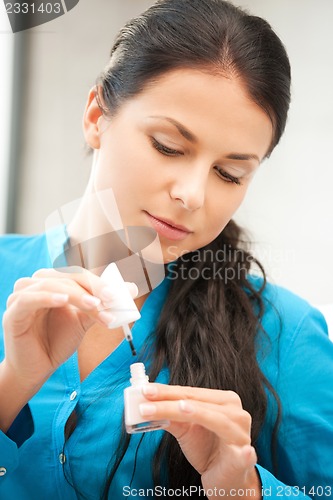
<point>123,308</point>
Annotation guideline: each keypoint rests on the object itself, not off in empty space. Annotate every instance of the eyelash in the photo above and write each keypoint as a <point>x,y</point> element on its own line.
<point>164,149</point>
<point>173,152</point>
<point>227,177</point>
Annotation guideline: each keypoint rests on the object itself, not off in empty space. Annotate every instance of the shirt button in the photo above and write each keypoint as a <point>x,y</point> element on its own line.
<point>62,458</point>
<point>73,396</point>
<point>3,471</point>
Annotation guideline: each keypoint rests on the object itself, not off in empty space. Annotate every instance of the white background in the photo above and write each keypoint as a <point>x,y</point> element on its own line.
<point>6,56</point>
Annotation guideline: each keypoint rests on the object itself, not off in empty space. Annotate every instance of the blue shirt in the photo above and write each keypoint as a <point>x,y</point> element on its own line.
<point>36,463</point>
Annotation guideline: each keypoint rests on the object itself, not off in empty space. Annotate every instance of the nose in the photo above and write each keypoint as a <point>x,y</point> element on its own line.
<point>189,188</point>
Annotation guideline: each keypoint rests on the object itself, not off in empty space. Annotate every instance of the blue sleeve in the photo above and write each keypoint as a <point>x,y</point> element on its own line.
<point>9,459</point>
<point>20,431</point>
<point>305,437</point>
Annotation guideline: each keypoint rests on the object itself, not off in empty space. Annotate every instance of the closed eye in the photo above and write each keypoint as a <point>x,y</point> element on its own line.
<point>227,177</point>
<point>161,148</point>
<point>164,149</point>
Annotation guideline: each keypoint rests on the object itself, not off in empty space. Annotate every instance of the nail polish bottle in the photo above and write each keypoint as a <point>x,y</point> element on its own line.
<point>133,397</point>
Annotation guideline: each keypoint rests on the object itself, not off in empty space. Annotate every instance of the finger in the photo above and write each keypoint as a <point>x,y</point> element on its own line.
<point>158,392</point>
<point>199,413</point>
<point>23,283</point>
<point>78,296</point>
<point>133,289</point>
<point>236,415</point>
<point>93,284</point>
<point>27,283</point>
<point>22,309</point>
<point>23,305</point>
<point>86,279</point>
<point>58,286</point>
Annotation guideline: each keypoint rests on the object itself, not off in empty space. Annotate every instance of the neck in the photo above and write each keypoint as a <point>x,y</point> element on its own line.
<point>96,232</point>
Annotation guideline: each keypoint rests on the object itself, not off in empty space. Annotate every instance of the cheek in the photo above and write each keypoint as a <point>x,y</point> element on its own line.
<point>127,165</point>
<point>224,203</point>
<point>220,212</point>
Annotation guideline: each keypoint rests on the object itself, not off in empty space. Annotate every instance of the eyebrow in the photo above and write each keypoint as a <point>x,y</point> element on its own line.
<point>181,129</point>
<point>242,157</point>
<point>192,138</point>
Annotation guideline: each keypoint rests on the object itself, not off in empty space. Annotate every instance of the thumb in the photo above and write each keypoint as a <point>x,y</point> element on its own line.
<point>133,289</point>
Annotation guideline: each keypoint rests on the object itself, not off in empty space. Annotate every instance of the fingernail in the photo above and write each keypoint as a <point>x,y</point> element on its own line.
<point>185,406</point>
<point>106,317</point>
<point>90,300</point>
<point>60,298</point>
<point>107,293</point>
<point>147,409</point>
<point>149,390</point>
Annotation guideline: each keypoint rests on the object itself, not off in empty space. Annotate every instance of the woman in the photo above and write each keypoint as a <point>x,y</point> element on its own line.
<point>194,98</point>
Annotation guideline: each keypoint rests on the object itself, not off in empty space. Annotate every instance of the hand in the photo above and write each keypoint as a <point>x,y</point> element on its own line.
<point>213,432</point>
<point>46,319</point>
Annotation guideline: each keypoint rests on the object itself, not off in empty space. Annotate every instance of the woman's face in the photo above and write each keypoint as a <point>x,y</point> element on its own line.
<point>180,156</point>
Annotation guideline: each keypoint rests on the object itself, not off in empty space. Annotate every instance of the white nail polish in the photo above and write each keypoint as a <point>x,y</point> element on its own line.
<point>133,397</point>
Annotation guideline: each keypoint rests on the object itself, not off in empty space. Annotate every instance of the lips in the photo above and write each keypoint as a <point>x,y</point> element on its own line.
<point>170,223</point>
<point>167,228</point>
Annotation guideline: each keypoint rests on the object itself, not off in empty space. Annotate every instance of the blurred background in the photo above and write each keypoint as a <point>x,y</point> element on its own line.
<point>47,71</point>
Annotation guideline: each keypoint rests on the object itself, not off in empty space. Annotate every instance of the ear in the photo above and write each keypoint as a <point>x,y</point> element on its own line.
<point>91,120</point>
